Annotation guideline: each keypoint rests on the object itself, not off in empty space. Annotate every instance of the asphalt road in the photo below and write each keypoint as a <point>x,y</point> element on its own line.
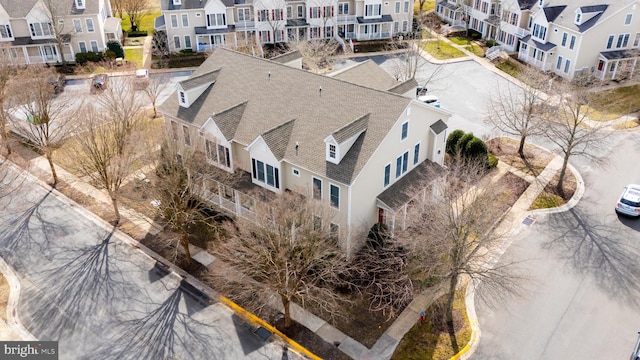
<point>583,287</point>
<point>86,287</point>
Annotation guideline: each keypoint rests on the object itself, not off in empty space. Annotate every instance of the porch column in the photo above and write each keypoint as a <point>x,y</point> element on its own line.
<point>26,55</point>
<point>615,70</point>
<point>633,67</point>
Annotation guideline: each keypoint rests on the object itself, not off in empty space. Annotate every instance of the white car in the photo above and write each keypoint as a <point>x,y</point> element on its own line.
<point>629,203</point>
<point>429,99</point>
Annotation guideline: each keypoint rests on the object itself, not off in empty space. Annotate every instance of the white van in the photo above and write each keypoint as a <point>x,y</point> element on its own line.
<point>430,99</point>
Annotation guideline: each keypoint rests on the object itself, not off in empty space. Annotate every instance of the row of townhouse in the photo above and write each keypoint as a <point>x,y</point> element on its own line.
<point>200,25</point>
<point>45,31</point>
<point>363,150</point>
<point>566,37</point>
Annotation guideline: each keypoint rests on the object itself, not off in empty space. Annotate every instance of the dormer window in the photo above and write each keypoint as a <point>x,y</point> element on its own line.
<point>80,4</point>
<point>332,151</point>
<point>540,2</point>
<point>182,98</point>
<point>177,2</point>
<point>578,18</point>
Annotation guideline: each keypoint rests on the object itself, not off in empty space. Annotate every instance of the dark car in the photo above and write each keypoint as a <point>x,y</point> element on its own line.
<point>99,82</point>
<point>57,81</point>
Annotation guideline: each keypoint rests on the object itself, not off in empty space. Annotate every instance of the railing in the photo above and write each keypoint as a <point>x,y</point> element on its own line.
<point>493,52</point>
<point>520,32</point>
<point>600,74</point>
<point>542,65</point>
<point>229,199</point>
<point>207,47</point>
<point>374,36</point>
<point>346,18</point>
<point>244,25</point>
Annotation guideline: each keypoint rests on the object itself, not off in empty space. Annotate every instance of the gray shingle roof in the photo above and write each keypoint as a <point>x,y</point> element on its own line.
<point>404,87</point>
<point>20,8</point>
<point>190,4</point>
<point>228,120</point>
<point>199,80</point>
<point>352,129</point>
<point>287,57</point>
<point>403,190</point>
<point>438,126</point>
<point>526,4</point>
<point>621,54</point>
<point>593,8</point>
<point>603,10</point>
<point>383,19</point>
<point>287,94</point>
<point>158,22</point>
<point>544,47</point>
<point>552,12</point>
<point>277,139</point>
<point>366,73</point>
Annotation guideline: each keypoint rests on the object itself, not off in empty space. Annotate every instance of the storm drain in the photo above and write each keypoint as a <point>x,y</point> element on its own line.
<point>528,221</point>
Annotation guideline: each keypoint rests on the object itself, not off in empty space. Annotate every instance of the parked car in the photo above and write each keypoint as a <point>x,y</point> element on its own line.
<point>629,202</point>
<point>141,80</point>
<point>430,99</point>
<point>99,82</point>
<point>57,81</point>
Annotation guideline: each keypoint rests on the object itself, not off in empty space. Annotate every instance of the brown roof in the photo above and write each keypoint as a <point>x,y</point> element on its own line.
<point>349,130</point>
<point>368,74</point>
<point>290,93</point>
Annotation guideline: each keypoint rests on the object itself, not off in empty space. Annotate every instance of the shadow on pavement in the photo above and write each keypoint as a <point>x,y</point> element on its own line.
<point>601,251</point>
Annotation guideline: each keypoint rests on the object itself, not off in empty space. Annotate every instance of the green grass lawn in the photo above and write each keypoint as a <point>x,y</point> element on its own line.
<point>547,201</point>
<point>614,103</point>
<point>476,49</point>
<point>509,68</point>
<point>441,50</point>
<point>428,6</point>
<point>426,341</point>
<point>147,23</point>
<point>459,40</point>
<point>134,55</point>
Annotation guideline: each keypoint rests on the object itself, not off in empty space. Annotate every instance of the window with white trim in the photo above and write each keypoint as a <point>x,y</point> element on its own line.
<point>406,6</point>
<point>174,129</point>
<point>559,63</point>
<point>397,7</point>
<point>627,19</point>
<point>265,173</point>
<point>405,130</point>
<point>610,41</point>
<point>405,25</point>
<point>373,10</point>
<point>182,97</point>
<point>332,151</point>
<point>77,25</point>
<point>221,19</point>
<point>334,231</point>
<point>185,20</point>
<point>218,153</point>
<point>387,174</point>
<point>186,134</point>
<point>82,46</point>
<point>539,31</point>
<point>41,29</point>
<point>187,41</point>
<point>343,8</point>
<point>174,20</point>
<point>636,41</point>
<point>243,15</point>
<point>402,164</point>
<point>572,43</point>
<point>5,32</point>
<point>317,188</point>
<point>416,153</point>
<point>564,39</point>
<point>80,4</point>
<point>295,172</point>
<point>176,42</point>
<point>567,65</point>
<point>334,196</point>
<point>89,25</point>
<point>94,46</point>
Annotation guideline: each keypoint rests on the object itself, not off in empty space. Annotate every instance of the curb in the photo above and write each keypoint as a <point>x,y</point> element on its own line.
<point>474,341</point>
<point>254,319</point>
<point>12,305</point>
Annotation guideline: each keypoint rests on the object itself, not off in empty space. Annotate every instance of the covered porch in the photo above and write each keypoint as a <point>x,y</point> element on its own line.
<point>209,39</point>
<point>394,202</point>
<point>374,29</point>
<point>297,29</point>
<point>25,51</point>
<point>113,29</point>
<point>617,65</point>
<point>535,53</point>
<point>451,13</point>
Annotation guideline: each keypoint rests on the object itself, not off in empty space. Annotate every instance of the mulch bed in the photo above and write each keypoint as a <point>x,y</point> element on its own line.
<point>535,158</point>
<point>310,340</point>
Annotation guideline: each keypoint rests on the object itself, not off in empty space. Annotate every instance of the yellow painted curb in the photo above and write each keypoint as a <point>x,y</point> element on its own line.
<point>254,319</point>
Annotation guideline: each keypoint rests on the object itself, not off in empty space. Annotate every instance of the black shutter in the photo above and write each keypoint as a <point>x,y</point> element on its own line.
<point>275,169</point>
<point>253,164</point>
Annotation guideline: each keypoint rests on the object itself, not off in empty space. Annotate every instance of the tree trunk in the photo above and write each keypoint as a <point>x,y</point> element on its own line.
<point>521,147</point>
<point>449,312</point>
<point>116,211</point>
<point>286,304</point>
<point>53,168</point>
<point>5,139</point>
<point>563,171</point>
<point>184,241</point>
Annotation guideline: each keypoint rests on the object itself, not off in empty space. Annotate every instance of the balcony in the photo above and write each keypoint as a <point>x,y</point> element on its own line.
<point>540,64</point>
<point>245,25</point>
<point>346,19</point>
<point>373,36</point>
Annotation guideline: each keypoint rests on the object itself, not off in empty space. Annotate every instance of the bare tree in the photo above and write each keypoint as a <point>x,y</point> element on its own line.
<point>273,13</point>
<point>182,190</point>
<point>160,46</point>
<point>136,10</point>
<point>40,117</point>
<point>7,72</point>
<point>516,110</point>
<point>452,233</point>
<point>290,251</point>
<point>568,127</point>
<point>106,155</point>
<point>154,89</point>
<point>125,107</point>
<point>55,25</point>
<point>117,6</point>
<point>318,55</point>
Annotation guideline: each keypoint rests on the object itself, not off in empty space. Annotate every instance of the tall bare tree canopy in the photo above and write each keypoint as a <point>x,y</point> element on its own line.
<point>290,252</point>
<point>136,10</point>
<point>516,110</point>
<point>451,233</point>
<point>7,72</point>
<point>39,116</point>
<point>568,126</point>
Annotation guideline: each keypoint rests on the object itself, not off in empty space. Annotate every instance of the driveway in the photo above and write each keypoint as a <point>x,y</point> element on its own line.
<point>582,295</point>
<point>85,285</point>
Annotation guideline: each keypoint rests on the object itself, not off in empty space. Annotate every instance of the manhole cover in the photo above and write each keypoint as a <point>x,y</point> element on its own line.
<point>528,221</point>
